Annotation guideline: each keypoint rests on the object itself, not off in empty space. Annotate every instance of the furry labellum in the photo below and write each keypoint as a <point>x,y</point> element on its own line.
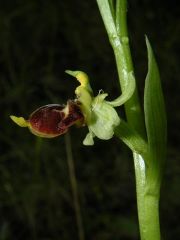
<point>52,120</point>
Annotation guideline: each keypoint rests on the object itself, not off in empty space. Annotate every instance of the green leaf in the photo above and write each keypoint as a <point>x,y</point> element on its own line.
<point>155,119</point>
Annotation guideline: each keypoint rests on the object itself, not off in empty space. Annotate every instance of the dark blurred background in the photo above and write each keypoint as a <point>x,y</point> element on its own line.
<point>39,40</point>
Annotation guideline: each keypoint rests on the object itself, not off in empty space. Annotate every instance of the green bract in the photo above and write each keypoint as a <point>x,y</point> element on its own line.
<point>100,115</point>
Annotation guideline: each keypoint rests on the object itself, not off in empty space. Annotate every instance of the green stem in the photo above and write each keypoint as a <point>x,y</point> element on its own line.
<point>148,204</point>
<point>74,186</point>
<point>140,186</point>
<point>131,138</point>
<point>118,35</point>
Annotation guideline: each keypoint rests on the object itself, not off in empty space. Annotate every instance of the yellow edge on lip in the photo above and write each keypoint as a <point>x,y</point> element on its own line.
<point>20,121</point>
<point>43,135</point>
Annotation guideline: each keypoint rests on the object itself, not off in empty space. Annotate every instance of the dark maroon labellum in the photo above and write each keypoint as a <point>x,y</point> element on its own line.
<point>53,120</point>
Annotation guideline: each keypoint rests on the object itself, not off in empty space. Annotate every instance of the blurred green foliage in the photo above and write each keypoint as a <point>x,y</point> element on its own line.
<point>38,41</point>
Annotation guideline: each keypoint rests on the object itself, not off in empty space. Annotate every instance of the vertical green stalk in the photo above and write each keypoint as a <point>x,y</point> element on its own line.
<point>74,186</point>
<point>120,43</point>
<point>147,170</point>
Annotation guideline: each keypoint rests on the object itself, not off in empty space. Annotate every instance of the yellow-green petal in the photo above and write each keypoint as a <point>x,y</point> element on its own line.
<point>83,92</point>
<point>82,77</point>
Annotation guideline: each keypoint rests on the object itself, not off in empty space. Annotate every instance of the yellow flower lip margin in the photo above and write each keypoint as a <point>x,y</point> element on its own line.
<point>20,121</point>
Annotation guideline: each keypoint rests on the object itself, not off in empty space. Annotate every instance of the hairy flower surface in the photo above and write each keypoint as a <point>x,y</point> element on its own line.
<point>52,120</point>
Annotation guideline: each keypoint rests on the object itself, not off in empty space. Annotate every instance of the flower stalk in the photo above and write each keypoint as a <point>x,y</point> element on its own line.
<point>148,164</point>
<point>74,186</point>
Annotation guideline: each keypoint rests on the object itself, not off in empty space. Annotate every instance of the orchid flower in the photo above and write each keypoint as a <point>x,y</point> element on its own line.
<point>96,113</point>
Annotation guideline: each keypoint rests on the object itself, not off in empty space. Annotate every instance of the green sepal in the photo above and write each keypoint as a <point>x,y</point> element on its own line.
<point>89,141</point>
<point>155,121</point>
<point>103,121</point>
